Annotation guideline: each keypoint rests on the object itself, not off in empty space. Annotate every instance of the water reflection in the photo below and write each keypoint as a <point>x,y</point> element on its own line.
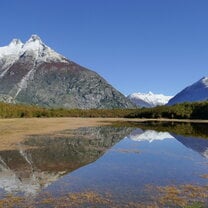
<point>196,144</point>
<point>149,135</point>
<point>199,130</point>
<point>191,135</point>
<point>142,158</point>
<point>51,156</point>
<point>121,162</point>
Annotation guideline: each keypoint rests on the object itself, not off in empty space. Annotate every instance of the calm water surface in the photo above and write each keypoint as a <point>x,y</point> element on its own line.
<point>150,166</point>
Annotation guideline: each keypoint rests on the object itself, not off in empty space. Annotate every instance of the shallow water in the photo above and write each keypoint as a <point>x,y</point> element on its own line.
<point>107,167</point>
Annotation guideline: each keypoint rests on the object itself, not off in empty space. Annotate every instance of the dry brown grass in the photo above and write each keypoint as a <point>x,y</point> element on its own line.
<point>205,176</point>
<point>13,131</point>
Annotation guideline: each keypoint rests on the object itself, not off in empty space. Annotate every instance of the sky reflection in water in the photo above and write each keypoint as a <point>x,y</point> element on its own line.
<point>120,161</point>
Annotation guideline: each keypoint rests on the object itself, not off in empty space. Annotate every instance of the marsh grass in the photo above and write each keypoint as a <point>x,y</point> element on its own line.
<point>183,196</point>
<point>205,176</point>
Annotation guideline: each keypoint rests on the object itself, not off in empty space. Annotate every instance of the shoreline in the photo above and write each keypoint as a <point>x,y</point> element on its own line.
<point>15,130</point>
<point>108,119</point>
<point>167,120</point>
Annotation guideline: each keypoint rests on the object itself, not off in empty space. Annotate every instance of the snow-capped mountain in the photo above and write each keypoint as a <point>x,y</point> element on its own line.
<point>149,99</point>
<point>149,135</point>
<point>34,47</point>
<point>195,92</point>
<point>33,73</point>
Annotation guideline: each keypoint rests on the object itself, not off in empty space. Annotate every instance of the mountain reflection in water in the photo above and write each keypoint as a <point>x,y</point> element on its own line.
<point>192,135</point>
<point>120,165</point>
<point>197,144</point>
<point>51,156</point>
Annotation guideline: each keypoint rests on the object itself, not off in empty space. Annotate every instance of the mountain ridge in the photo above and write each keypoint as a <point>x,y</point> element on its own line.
<point>149,99</point>
<point>33,73</point>
<point>197,91</point>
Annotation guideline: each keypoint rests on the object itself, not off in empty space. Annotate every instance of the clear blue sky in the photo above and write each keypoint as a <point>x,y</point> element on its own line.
<point>136,45</point>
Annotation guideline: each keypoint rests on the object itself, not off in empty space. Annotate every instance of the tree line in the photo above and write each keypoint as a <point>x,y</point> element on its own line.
<point>197,110</point>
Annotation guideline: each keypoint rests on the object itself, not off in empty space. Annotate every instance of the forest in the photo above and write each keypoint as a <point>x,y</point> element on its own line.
<point>196,110</point>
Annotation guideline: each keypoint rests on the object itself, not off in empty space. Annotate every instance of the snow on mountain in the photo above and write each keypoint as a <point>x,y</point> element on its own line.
<point>149,135</point>
<point>9,55</point>
<point>195,92</point>
<point>14,48</point>
<point>33,73</point>
<point>34,45</point>
<point>149,99</point>
<point>42,52</point>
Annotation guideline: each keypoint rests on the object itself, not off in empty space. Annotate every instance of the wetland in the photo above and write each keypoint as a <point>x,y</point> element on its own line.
<point>103,163</point>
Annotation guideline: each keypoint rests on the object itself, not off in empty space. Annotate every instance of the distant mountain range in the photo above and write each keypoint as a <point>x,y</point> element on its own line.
<point>149,100</point>
<point>195,92</point>
<point>33,73</point>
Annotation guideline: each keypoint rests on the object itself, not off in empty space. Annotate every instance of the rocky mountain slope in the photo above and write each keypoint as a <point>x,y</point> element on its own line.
<point>33,73</point>
<point>149,100</point>
<point>195,92</point>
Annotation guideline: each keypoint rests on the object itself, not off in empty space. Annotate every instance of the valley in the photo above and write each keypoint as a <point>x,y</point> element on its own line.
<point>103,104</point>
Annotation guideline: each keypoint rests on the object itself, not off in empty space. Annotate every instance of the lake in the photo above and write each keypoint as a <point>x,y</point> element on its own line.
<point>127,165</point>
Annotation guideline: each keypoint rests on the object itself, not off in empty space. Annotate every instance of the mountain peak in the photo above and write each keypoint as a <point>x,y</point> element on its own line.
<point>204,80</point>
<point>13,49</point>
<point>33,46</point>
<point>36,74</point>
<point>34,43</point>
<point>41,51</point>
<point>149,99</point>
<point>34,38</point>
<point>196,92</point>
<point>16,42</point>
